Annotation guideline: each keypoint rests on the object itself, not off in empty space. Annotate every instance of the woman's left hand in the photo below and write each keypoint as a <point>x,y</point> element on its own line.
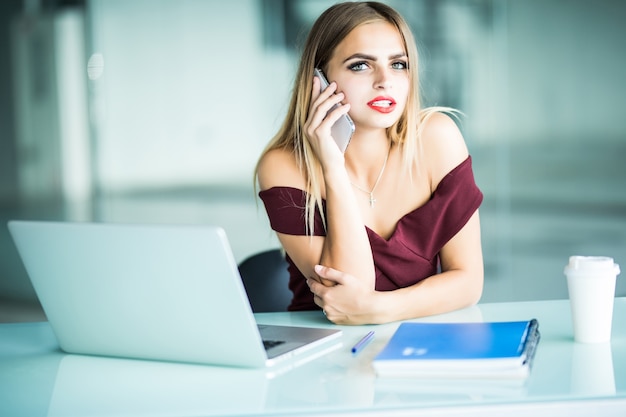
<point>349,301</point>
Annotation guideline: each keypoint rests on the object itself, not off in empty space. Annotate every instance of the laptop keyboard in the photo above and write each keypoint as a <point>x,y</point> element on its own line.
<point>271,343</point>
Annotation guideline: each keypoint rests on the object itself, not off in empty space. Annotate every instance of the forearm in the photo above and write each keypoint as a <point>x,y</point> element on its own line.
<point>441,293</point>
<point>346,246</point>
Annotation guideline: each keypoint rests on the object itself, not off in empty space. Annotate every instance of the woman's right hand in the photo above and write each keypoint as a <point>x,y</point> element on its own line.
<point>318,125</point>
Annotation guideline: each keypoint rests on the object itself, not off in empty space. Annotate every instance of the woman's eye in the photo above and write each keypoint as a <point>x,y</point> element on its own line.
<point>400,65</point>
<point>358,66</point>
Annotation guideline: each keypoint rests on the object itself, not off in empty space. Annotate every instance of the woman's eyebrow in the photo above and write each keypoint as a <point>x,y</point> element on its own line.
<point>360,56</point>
<point>398,55</point>
<point>373,58</point>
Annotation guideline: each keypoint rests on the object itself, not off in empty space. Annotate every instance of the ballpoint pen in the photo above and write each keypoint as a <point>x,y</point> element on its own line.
<point>363,342</point>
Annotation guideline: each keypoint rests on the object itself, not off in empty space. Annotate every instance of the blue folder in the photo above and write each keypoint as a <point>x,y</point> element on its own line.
<point>492,349</point>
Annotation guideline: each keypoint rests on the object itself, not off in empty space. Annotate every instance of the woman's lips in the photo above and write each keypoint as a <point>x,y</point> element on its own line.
<point>382,104</point>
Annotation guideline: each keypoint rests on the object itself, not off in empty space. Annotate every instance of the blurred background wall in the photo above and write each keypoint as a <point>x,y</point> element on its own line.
<point>156,111</point>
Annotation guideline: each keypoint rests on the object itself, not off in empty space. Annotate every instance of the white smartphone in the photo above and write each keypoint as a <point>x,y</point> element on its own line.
<point>343,128</point>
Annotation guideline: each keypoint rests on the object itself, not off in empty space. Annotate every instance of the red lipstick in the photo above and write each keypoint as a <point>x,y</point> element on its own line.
<point>382,104</point>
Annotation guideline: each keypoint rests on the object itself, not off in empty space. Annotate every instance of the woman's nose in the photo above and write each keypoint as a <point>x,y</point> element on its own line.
<point>383,80</point>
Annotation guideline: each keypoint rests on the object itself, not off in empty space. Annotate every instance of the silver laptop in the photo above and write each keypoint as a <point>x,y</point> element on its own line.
<point>151,292</point>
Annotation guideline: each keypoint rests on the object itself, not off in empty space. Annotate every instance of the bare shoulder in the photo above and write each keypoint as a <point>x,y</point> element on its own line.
<point>278,167</point>
<point>443,145</point>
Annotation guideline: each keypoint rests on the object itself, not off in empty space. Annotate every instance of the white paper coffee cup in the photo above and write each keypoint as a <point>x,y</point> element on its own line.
<point>591,286</point>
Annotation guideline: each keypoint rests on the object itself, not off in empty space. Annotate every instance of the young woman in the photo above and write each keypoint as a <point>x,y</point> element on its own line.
<point>388,230</point>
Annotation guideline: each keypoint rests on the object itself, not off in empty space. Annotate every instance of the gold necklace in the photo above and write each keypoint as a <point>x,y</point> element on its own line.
<point>380,175</point>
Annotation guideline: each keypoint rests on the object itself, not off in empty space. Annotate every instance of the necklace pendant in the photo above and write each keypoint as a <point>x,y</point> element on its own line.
<point>380,175</point>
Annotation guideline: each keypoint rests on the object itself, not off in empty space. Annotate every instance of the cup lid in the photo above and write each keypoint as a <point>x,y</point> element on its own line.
<point>589,263</point>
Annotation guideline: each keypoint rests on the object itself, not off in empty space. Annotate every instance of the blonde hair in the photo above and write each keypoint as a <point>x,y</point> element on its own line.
<point>331,27</point>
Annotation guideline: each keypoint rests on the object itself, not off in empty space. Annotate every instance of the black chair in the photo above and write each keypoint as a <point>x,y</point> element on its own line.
<point>266,280</point>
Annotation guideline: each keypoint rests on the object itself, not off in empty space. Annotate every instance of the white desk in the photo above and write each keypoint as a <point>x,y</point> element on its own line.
<point>36,379</point>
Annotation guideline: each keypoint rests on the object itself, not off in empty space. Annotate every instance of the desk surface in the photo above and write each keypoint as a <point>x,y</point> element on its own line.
<point>36,378</point>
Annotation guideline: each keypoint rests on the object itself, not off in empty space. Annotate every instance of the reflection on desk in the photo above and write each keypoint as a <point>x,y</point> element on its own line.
<point>36,378</point>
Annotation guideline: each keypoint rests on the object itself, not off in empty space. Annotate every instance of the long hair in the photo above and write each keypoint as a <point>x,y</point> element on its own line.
<point>332,26</point>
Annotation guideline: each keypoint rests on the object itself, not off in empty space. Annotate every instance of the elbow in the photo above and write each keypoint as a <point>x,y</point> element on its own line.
<point>474,298</point>
<point>475,292</point>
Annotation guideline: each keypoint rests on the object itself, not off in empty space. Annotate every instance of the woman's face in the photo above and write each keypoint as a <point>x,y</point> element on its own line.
<point>370,66</point>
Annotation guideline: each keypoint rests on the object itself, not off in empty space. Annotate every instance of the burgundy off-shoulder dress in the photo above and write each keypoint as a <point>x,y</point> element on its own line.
<point>410,255</point>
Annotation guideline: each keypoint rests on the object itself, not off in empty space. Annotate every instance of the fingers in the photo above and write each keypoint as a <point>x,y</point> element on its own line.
<point>347,301</point>
<point>320,287</point>
<point>323,116</point>
<point>317,95</point>
<point>315,287</point>
<point>324,100</point>
<point>325,279</point>
<point>317,90</point>
<point>329,273</point>
<point>325,109</point>
<point>328,311</point>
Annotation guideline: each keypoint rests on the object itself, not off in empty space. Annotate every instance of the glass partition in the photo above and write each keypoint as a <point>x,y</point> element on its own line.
<point>183,96</point>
